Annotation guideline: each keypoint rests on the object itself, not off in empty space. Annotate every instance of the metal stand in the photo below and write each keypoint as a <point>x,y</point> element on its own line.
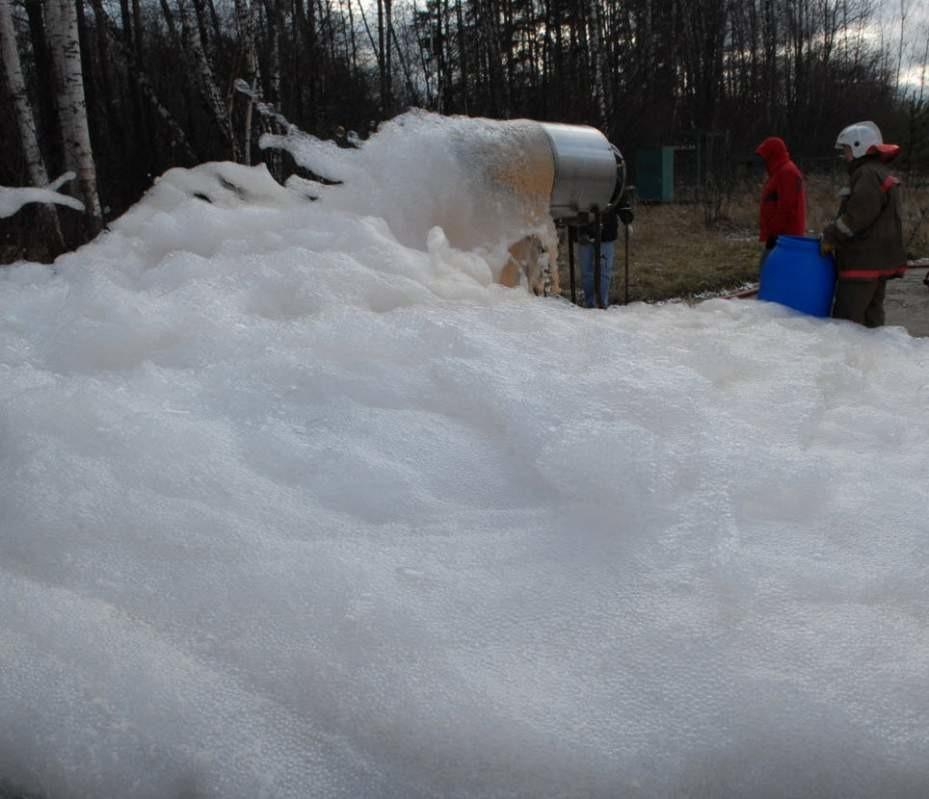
<point>572,237</point>
<point>626,212</point>
<point>598,230</point>
<point>626,267</point>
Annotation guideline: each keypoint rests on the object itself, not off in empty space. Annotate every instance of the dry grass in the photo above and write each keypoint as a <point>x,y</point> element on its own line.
<point>673,253</point>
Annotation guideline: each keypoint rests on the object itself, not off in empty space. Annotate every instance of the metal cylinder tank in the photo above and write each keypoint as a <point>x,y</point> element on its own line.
<point>589,171</point>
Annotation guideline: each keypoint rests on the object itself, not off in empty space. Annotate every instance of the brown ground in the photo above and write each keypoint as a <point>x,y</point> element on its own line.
<point>674,253</point>
<point>907,302</point>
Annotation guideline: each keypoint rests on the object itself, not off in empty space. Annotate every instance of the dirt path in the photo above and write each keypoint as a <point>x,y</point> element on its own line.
<point>907,302</point>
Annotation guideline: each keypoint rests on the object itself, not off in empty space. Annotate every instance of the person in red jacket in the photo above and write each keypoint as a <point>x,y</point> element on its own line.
<point>783,198</point>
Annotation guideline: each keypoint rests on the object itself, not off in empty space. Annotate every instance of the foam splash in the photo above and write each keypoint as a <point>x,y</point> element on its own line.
<point>486,183</point>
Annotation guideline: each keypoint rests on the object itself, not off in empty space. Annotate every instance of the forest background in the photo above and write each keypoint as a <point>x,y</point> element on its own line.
<point>118,91</point>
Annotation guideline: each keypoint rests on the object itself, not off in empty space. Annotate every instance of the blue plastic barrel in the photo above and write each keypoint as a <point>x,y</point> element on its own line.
<point>796,275</point>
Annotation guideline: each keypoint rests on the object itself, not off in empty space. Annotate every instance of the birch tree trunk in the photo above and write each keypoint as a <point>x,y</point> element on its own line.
<point>388,69</point>
<point>61,20</point>
<point>45,113</point>
<point>245,20</point>
<point>275,24</point>
<point>203,28</point>
<point>209,91</point>
<point>25,121</point>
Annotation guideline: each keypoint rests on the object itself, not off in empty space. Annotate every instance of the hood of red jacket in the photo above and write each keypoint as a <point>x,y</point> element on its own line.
<point>773,151</point>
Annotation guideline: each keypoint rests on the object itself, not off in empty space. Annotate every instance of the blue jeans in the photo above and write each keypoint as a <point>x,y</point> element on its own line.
<point>585,257</point>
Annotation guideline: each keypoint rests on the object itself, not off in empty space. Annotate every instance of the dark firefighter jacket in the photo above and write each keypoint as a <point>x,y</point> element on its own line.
<point>868,232</point>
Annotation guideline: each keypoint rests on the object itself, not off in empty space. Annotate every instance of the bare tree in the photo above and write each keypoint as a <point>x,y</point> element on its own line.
<point>22,110</point>
<point>247,67</point>
<point>648,72</point>
<point>209,91</point>
<point>904,13</point>
<point>61,21</point>
<point>129,59</point>
<point>275,15</point>
<point>599,65</point>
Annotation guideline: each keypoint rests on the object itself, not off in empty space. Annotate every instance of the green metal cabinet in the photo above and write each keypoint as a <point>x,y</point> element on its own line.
<point>654,174</point>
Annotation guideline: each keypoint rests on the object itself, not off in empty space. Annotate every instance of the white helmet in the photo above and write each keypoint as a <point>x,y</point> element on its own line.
<point>860,137</point>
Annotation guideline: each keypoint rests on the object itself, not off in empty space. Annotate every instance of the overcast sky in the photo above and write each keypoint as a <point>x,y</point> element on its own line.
<point>916,31</point>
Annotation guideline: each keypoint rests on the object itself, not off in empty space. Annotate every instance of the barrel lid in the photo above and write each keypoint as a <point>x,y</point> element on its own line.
<point>798,241</point>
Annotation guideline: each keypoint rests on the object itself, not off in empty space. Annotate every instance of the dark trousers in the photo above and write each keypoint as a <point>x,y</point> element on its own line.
<point>765,252</point>
<point>860,301</point>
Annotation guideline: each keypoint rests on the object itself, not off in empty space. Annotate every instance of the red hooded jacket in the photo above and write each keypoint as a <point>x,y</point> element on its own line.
<point>783,198</point>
